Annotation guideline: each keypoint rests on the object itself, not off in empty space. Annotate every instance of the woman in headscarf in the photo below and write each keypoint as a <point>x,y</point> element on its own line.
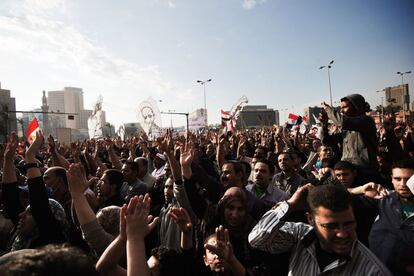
<point>231,213</point>
<point>29,235</point>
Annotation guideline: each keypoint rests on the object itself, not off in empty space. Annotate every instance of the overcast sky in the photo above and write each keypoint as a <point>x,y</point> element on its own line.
<point>269,51</point>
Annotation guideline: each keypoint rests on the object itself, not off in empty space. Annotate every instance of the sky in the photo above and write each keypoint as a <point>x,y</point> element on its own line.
<point>267,50</point>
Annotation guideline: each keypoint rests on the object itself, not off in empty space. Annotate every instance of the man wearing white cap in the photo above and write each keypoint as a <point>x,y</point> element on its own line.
<point>159,164</point>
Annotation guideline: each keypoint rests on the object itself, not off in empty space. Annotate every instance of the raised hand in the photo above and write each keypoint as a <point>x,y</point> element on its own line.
<point>181,218</point>
<point>122,223</point>
<point>75,149</point>
<point>162,145</point>
<point>298,199</point>
<point>35,146</point>
<point>374,190</point>
<point>51,143</point>
<point>222,247</point>
<point>187,154</point>
<point>319,173</point>
<point>12,143</point>
<point>109,144</point>
<point>77,179</point>
<point>138,220</point>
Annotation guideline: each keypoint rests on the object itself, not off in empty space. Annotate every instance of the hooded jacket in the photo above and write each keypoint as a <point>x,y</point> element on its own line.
<point>358,135</point>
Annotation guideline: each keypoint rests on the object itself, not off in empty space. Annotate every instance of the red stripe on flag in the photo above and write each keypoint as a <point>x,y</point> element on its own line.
<point>31,129</point>
<point>293,116</point>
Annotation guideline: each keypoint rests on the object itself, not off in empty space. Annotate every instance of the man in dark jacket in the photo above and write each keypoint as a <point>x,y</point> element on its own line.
<point>357,134</point>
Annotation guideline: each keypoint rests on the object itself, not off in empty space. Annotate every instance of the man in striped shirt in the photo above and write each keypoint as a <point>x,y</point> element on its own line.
<point>328,245</point>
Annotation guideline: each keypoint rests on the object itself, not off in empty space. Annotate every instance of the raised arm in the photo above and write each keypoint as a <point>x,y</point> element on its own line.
<point>75,151</point>
<point>49,228</point>
<point>97,150</point>
<point>138,225</point>
<point>91,163</point>
<point>77,185</point>
<point>166,146</point>
<point>57,158</point>
<point>220,150</point>
<point>183,220</point>
<point>371,190</point>
<point>186,158</point>
<point>115,160</point>
<point>93,232</point>
<point>10,192</point>
<point>108,262</point>
<point>272,233</point>
<point>224,250</point>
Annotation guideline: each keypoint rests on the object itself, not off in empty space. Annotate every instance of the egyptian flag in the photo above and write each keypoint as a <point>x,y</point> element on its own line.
<point>31,130</point>
<point>292,119</point>
<point>225,118</point>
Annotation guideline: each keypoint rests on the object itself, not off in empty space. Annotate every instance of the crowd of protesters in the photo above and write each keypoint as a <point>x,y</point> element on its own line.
<point>332,200</point>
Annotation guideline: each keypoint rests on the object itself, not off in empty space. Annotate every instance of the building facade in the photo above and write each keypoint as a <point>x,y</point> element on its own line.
<point>8,122</point>
<point>69,100</point>
<point>312,112</point>
<point>398,96</point>
<point>257,116</point>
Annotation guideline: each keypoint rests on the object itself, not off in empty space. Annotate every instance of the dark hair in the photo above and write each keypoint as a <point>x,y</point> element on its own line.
<point>115,177</point>
<point>286,152</point>
<point>171,262</point>
<point>51,259</point>
<point>263,148</point>
<point>143,159</point>
<point>358,103</point>
<point>61,173</point>
<point>403,164</point>
<point>237,166</point>
<point>133,165</point>
<point>344,165</point>
<point>269,164</point>
<point>333,197</point>
<point>247,169</point>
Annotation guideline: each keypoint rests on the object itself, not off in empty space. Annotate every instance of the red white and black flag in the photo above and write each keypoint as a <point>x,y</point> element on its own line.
<point>225,117</point>
<point>32,128</point>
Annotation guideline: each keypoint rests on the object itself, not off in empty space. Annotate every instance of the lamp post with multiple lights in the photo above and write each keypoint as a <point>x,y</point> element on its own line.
<point>203,83</point>
<point>329,66</point>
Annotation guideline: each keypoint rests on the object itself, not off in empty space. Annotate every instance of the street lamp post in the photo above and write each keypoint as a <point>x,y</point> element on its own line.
<point>329,66</point>
<point>405,97</point>
<point>203,83</point>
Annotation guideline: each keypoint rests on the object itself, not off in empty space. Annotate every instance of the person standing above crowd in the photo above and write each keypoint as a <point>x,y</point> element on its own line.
<point>357,134</point>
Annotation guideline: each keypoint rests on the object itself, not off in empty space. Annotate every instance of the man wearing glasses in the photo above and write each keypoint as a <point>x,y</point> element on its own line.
<point>328,245</point>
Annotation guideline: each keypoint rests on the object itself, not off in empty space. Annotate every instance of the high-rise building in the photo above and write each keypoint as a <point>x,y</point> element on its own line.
<point>257,116</point>
<point>8,122</point>
<point>398,96</point>
<point>56,103</point>
<point>68,100</point>
<point>83,118</point>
